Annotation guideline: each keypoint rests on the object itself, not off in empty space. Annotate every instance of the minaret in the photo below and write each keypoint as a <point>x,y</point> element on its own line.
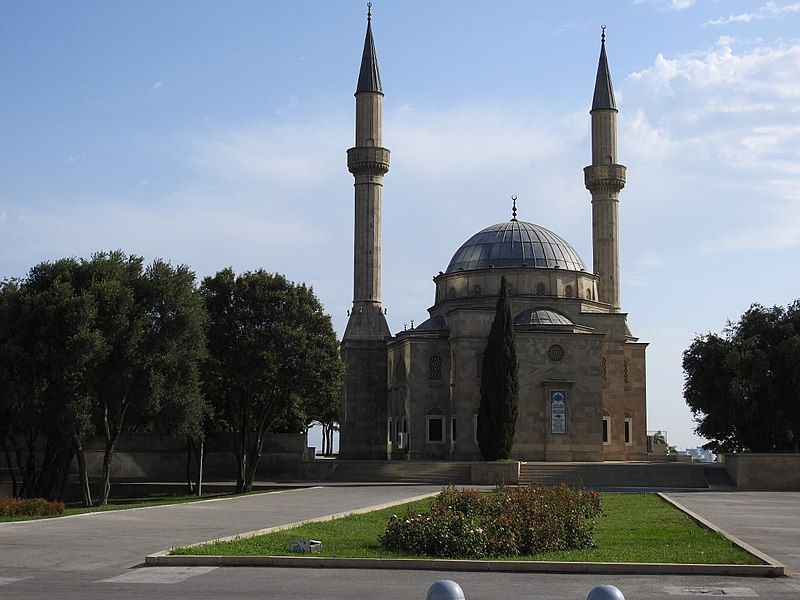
<point>604,179</point>
<point>363,418</point>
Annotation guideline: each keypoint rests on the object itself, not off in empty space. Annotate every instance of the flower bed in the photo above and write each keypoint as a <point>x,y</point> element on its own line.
<point>506,522</point>
<point>30,507</point>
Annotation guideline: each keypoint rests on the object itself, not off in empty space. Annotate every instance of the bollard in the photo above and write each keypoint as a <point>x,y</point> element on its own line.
<point>605,592</point>
<point>445,589</point>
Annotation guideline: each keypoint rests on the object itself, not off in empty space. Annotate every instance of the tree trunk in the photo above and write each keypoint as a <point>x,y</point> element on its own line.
<point>83,474</point>
<point>10,465</point>
<point>241,460</point>
<point>250,471</point>
<point>190,458</point>
<point>201,456</point>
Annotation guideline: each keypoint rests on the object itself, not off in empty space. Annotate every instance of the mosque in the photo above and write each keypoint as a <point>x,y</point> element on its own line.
<point>415,395</point>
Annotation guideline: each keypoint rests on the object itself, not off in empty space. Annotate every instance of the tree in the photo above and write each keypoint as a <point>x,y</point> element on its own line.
<point>743,386</point>
<point>96,347</point>
<point>152,325</point>
<point>47,344</point>
<point>497,414</point>
<point>271,350</point>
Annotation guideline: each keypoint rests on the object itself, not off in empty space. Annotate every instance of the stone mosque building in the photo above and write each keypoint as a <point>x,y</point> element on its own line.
<point>415,395</point>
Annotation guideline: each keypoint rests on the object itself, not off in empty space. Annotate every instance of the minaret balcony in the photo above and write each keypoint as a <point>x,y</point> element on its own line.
<point>604,177</point>
<point>368,160</point>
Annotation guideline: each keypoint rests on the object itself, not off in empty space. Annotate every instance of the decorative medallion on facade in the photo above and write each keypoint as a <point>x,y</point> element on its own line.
<point>540,289</point>
<point>555,353</point>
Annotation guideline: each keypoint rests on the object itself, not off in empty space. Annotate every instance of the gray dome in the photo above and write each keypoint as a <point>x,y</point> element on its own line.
<point>434,323</point>
<point>541,316</point>
<point>515,244</point>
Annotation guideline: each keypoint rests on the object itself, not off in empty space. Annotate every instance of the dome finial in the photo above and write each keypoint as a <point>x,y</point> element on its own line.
<point>603,35</point>
<point>513,208</point>
<point>369,12</point>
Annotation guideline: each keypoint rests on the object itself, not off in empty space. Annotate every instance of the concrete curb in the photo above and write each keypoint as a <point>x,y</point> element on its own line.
<point>772,568</point>
<point>165,560</point>
<point>779,566</point>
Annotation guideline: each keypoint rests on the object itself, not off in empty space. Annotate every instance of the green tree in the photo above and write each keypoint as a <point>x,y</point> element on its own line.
<point>94,348</point>
<point>742,386</point>
<point>47,344</point>
<point>271,351</point>
<point>152,325</point>
<point>497,414</point>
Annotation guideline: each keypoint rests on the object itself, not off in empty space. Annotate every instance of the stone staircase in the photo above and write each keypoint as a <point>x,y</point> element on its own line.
<point>616,475</point>
<point>394,471</point>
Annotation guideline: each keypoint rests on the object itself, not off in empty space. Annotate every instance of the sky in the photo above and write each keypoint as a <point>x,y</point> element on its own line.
<point>214,134</point>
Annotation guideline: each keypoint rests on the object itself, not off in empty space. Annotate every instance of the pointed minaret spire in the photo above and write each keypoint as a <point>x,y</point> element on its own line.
<point>603,90</point>
<point>369,77</point>
<point>604,179</point>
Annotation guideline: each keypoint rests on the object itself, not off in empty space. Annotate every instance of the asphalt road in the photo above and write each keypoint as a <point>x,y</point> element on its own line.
<point>99,555</point>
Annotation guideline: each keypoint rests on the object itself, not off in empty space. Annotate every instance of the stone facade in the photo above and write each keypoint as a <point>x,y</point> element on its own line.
<point>415,395</point>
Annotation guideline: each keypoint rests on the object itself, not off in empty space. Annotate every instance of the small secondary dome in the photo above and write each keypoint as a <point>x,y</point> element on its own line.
<point>541,316</point>
<point>515,244</point>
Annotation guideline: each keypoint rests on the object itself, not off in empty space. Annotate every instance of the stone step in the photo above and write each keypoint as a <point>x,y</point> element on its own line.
<point>635,475</point>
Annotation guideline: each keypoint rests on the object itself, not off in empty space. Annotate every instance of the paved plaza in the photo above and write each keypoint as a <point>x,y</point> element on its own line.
<point>100,555</point>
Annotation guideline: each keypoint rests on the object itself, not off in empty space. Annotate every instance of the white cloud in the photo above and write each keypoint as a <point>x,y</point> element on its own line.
<point>156,85</point>
<point>722,128</point>
<point>664,5</point>
<point>725,40</point>
<point>76,157</point>
<point>285,154</point>
<point>770,10</point>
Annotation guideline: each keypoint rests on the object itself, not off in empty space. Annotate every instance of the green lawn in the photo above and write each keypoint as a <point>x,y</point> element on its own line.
<point>633,528</point>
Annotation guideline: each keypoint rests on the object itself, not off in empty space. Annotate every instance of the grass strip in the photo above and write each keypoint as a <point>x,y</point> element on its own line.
<point>633,528</point>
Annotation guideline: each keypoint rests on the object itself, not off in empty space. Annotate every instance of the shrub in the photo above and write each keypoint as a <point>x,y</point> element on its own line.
<point>30,507</point>
<point>506,522</point>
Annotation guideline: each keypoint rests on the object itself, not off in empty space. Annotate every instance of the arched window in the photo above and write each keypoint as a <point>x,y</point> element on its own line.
<point>628,428</point>
<point>606,428</point>
<point>541,290</point>
<point>568,291</point>
<point>434,426</point>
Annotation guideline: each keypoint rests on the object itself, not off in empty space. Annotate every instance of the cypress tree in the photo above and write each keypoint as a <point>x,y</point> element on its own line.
<point>497,415</point>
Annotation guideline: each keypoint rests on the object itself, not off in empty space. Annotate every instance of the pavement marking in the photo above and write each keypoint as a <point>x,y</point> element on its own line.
<point>158,575</point>
<point>7,580</point>
<point>790,585</point>
<point>730,592</point>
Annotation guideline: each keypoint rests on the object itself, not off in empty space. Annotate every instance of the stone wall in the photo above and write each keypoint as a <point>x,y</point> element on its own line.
<point>764,471</point>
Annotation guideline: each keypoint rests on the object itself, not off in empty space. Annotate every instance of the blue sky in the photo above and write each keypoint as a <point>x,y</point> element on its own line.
<point>214,134</point>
